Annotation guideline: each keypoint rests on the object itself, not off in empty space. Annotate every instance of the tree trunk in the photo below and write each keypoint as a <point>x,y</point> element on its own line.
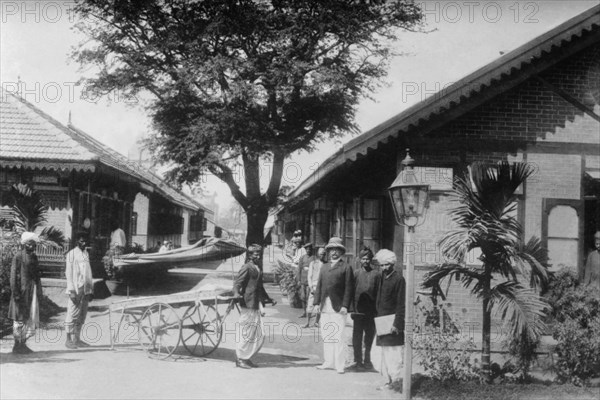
<point>485,330</point>
<point>256,217</point>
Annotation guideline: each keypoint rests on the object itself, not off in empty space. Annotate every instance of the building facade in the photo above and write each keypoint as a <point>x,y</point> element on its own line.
<point>538,104</point>
<point>88,186</point>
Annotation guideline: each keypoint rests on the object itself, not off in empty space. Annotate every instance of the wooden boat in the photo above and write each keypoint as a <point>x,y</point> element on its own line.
<point>207,253</point>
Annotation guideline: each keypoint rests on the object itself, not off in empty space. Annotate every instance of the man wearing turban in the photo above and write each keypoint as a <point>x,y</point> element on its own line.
<point>366,280</point>
<point>25,290</point>
<point>390,301</point>
<point>248,288</point>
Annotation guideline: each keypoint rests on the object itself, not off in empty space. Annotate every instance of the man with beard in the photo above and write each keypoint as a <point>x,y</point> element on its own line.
<point>390,301</point>
<point>25,292</point>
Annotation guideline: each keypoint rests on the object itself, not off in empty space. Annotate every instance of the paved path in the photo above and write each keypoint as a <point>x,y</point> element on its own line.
<point>287,362</point>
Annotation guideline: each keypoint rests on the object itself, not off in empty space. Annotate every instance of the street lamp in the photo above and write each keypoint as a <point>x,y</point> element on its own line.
<point>410,199</point>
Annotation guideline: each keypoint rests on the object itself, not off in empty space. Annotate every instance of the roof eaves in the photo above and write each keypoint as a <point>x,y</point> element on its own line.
<point>454,94</point>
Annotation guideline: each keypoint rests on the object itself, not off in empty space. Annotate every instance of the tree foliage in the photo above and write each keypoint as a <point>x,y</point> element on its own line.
<point>242,82</point>
<point>485,219</point>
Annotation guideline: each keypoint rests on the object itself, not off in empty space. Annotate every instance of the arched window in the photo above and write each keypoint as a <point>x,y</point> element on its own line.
<point>562,235</point>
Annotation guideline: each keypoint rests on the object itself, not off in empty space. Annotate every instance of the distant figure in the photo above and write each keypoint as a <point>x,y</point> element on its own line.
<point>165,247</point>
<point>25,292</point>
<point>293,250</point>
<point>118,240</point>
<point>248,288</point>
<point>302,275</point>
<point>314,269</point>
<point>332,299</point>
<point>169,245</point>
<point>591,272</point>
<point>390,301</point>
<point>366,284</point>
<point>156,248</point>
<point>80,288</point>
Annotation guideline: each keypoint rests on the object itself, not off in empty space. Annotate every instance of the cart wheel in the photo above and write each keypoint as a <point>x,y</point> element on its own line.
<point>202,329</point>
<point>159,330</point>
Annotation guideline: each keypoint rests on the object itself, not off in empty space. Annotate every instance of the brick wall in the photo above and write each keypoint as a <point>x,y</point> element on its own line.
<point>527,115</point>
<point>532,112</point>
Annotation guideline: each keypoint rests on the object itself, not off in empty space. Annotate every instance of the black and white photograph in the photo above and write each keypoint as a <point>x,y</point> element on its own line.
<point>300,199</point>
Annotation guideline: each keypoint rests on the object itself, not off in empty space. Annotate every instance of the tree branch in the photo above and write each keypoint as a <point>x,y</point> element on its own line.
<point>226,175</point>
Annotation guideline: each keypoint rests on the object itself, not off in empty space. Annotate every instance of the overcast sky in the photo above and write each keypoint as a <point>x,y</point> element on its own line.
<point>36,38</point>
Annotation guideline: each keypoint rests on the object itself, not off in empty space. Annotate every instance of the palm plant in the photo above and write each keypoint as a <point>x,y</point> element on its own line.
<point>29,212</point>
<point>484,219</point>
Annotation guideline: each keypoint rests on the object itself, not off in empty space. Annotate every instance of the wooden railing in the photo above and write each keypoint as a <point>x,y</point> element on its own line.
<point>52,260</point>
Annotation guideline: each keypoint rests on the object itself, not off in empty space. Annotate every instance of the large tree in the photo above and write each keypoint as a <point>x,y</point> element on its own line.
<point>242,83</point>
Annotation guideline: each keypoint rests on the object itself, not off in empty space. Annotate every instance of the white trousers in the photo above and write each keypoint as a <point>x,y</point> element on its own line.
<point>250,334</point>
<point>22,330</point>
<point>332,326</point>
<point>391,362</point>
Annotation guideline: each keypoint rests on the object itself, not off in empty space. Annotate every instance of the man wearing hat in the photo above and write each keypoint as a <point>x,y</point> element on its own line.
<point>591,272</point>
<point>25,291</point>
<point>332,299</point>
<point>248,288</point>
<point>302,275</point>
<point>390,301</point>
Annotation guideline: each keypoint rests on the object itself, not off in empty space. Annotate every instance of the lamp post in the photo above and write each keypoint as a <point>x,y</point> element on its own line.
<point>410,201</point>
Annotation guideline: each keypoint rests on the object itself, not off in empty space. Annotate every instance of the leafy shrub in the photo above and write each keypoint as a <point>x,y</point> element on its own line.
<point>578,351</point>
<point>289,284</point>
<point>446,357</point>
<point>576,314</point>
<point>523,352</point>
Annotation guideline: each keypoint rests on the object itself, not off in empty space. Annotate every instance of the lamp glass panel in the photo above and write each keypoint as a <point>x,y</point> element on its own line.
<point>397,201</point>
<point>410,198</point>
<point>422,201</point>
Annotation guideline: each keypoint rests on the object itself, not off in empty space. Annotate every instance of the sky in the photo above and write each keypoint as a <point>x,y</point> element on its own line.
<point>36,38</point>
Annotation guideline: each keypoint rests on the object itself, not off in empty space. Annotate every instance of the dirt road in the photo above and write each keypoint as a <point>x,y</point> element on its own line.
<point>287,363</point>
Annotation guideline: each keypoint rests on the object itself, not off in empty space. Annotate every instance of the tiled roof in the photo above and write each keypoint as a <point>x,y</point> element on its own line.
<point>456,94</point>
<point>27,134</point>
<point>32,139</point>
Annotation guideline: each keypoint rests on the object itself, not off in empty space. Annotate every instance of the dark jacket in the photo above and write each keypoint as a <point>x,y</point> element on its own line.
<point>249,285</point>
<point>337,283</point>
<point>24,275</point>
<point>365,292</point>
<point>304,262</point>
<point>391,300</point>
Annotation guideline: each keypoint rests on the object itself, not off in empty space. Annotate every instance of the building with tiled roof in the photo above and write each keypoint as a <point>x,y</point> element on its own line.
<point>88,184</point>
<point>539,104</point>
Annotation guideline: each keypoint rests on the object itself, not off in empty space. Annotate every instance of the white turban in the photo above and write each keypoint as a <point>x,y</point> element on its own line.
<point>385,256</point>
<point>29,236</point>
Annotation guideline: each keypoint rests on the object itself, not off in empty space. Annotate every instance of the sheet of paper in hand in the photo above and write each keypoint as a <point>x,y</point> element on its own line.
<point>384,324</point>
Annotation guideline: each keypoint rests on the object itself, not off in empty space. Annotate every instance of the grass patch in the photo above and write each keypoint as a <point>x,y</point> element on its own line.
<point>425,388</point>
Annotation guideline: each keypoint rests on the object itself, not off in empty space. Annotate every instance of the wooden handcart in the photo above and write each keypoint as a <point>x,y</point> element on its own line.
<point>164,322</point>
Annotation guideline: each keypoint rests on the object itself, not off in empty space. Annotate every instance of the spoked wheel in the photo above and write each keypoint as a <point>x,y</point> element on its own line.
<point>202,329</point>
<point>159,330</point>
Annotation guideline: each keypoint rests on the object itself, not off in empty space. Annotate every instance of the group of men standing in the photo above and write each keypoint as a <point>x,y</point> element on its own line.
<point>26,291</point>
<point>331,290</point>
